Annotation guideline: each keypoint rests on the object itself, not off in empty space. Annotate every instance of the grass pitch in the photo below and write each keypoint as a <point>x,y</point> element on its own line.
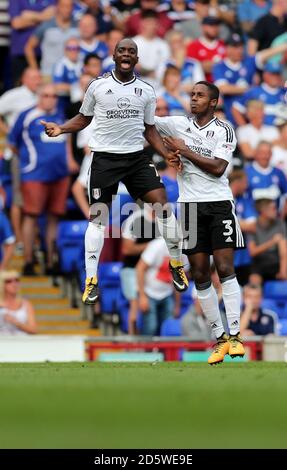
<point>166,405</point>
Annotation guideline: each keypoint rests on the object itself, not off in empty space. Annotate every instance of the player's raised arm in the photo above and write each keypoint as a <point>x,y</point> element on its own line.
<point>75,124</point>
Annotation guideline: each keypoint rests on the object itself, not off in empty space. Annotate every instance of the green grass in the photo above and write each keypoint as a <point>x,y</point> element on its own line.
<point>167,405</point>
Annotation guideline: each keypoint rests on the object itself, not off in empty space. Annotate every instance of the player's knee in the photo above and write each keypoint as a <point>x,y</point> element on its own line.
<point>224,269</point>
<point>200,277</point>
<point>99,214</point>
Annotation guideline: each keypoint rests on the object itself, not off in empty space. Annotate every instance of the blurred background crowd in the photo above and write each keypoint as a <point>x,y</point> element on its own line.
<point>50,50</point>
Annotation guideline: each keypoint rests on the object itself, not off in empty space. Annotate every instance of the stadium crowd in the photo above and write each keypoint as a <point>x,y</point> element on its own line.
<point>51,50</point>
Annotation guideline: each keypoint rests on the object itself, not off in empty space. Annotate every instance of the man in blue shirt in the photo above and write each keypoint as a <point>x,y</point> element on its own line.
<point>234,75</point>
<point>270,92</point>
<point>266,181</point>
<point>254,319</point>
<point>44,172</point>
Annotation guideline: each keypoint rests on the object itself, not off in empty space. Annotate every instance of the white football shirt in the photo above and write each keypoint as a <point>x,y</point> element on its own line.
<point>120,111</point>
<point>214,140</point>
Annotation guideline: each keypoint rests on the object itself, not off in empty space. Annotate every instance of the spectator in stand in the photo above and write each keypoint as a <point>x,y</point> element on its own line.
<point>89,44</point>
<point>123,9</point>
<point>268,27</point>
<point>209,48</point>
<point>249,135</point>
<point>178,102</point>
<point>156,292</point>
<point>26,16</point>
<point>51,36</point>
<point>113,37</point>
<point>268,245</point>
<point>153,52</point>
<point>191,70</point>
<point>270,92</point>
<point>191,28</point>
<point>246,215</point>
<point>256,320</point>
<point>7,241</point>
<point>138,230</point>
<point>178,10</point>
<point>12,103</point>
<point>236,72</point>
<point>103,13</point>
<point>265,181</point>
<point>44,173</point>
<point>17,315</point>
<point>133,23</point>
<point>67,72</point>
<point>79,139</point>
<point>249,11</point>
<point>279,150</point>
<point>92,65</point>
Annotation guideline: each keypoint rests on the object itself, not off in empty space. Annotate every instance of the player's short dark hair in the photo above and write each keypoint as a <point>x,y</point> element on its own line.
<point>91,56</point>
<point>212,89</point>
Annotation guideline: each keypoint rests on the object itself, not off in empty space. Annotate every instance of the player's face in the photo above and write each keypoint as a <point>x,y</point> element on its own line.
<point>200,100</point>
<point>125,56</point>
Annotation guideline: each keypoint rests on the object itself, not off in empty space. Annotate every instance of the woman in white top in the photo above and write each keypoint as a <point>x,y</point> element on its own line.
<point>17,315</point>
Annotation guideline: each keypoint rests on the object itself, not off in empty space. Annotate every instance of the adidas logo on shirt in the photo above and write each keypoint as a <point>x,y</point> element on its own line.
<point>109,92</point>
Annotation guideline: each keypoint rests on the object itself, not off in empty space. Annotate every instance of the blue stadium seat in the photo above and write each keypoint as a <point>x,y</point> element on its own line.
<point>275,290</point>
<point>110,286</point>
<point>276,306</point>
<point>171,327</point>
<point>70,243</point>
<point>282,327</point>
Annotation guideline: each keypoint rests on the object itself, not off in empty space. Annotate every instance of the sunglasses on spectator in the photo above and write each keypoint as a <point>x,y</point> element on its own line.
<point>14,279</point>
<point>72,48</point>
<point>161,108</point>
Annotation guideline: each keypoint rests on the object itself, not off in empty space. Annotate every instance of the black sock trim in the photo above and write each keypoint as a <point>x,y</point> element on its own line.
<point>203,286</point>
<point>228,278</point>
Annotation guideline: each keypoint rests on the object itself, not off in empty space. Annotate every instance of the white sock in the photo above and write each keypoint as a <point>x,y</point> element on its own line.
<point>209,303</point>
<point>231,294</point>
<point>94,242</point>
<point>169,230</point>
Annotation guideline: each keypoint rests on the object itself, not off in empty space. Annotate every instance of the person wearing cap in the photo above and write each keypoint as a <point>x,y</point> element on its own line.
<point>235,74</point>
<point>208,48</point>
<point>271,92</point>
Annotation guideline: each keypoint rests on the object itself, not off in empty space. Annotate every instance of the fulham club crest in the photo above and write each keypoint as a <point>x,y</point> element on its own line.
<point>210,134</point>
<point>138,91</point>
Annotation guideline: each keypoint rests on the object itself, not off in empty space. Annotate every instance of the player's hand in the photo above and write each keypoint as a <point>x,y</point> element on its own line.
<point>173,159</point>
<point>277,238</point>
<point>175,144</point>
<point>51,128</point>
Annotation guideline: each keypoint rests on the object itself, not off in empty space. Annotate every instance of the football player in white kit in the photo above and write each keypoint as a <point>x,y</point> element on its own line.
<point>121,108</point>
<point>206,145</point>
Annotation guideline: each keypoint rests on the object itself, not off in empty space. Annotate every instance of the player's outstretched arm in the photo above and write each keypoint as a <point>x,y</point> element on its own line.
<point>75,124</point>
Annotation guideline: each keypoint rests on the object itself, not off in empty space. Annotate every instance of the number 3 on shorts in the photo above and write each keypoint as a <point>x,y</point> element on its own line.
<point>228,228</point>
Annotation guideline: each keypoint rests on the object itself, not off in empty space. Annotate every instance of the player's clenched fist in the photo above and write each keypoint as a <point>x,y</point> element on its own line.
<point>51,128</point>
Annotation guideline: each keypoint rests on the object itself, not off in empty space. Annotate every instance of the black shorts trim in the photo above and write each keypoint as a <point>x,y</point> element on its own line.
<point>135,170</point>
<point>210,226</point>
